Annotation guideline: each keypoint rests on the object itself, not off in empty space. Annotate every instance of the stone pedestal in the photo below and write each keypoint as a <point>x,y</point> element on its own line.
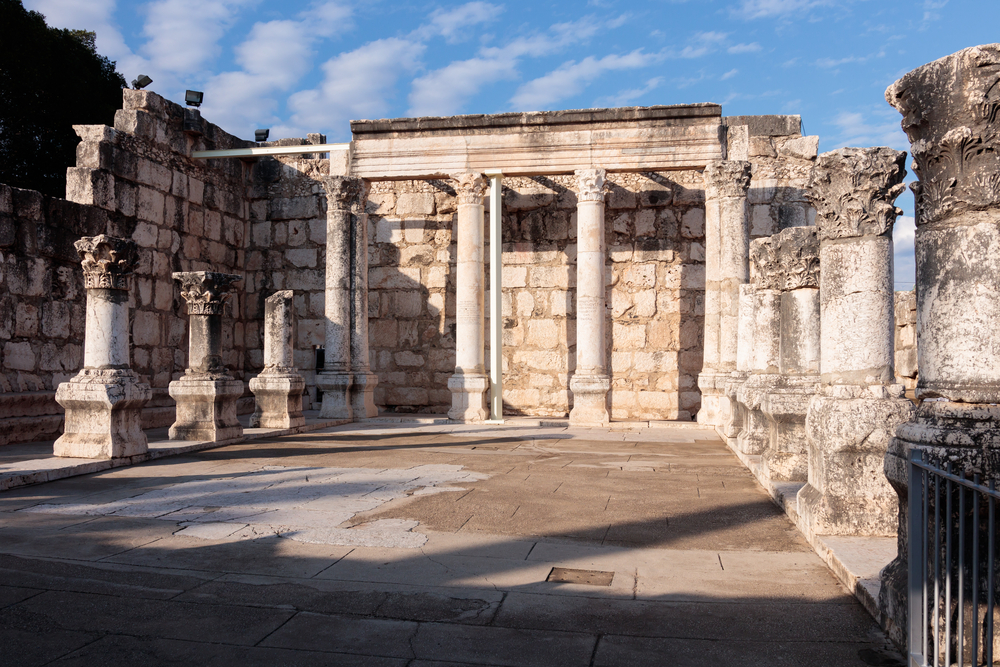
<point>726,248</point>
<point>470,383</point>
<point>104,401</point>
<point>278,388</point>
<point>858,408</point>
<point>949,110</point>
<point>591,382</point>
<point>206,394</point>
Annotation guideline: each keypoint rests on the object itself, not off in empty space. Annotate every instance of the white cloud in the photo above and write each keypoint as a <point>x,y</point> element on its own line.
<point>183,35</point>
<point>903,259</point>
<point>703,43</point>
<point>626,97</point>
<point>870,127</point>
<point>829,63</point>
<point>729,75</point>
<point>753,47</point>
<point>755,9</point>
<point>453,24</point>
<point>572,77</point>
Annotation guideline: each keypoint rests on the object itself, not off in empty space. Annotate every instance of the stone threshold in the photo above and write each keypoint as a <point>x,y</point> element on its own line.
<point>539,422</point>
<point>50,468</point>
<point>855,561</point>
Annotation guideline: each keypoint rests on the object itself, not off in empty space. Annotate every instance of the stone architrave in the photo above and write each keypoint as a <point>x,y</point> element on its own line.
<point>786,403</point>
<point>469,384</point>
<point>346,198</point>
<point>859,406</point>
<point>104,400</point>
<point>591,382</point>
<point>951,115</point>
<point>278,388</point>
<point>765,303</point>
<point>206,394</point>
<point>363,381</point>
<point>744,365</point>
<point>727,238</point>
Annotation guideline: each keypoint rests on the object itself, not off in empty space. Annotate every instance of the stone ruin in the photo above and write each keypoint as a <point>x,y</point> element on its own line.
<point>662,263</point>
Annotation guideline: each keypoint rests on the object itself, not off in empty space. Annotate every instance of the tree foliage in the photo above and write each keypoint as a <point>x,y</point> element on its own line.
<point>50,80</point>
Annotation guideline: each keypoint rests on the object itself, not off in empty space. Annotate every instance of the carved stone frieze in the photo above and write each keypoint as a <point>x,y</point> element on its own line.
<point>346,193</point>
<point>796,254</point>
<point>853,190</point>
<point>951,114</point>
<point>108,261</point>
<point>727,178</point>
<point>206,292</point>
<point>765,273</point>
<point>470,187</point>
<point>590,183</point>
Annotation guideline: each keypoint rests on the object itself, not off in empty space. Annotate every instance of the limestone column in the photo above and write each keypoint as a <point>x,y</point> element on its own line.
<point>590,383</point>
<point>469,384</point>
<point>206,394</point>
<point>363,380</point>
<point>786,402</point>
<point>859,405</point>
<point>727,240</point>
<point>744,365</point>
<point>765,303</point>
<point>950,115</point>
<point>278,388</point>
<point>104,400</point>
<point>345,201</point>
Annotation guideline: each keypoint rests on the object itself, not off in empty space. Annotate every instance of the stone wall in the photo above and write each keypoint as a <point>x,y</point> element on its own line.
<point>906,340</point>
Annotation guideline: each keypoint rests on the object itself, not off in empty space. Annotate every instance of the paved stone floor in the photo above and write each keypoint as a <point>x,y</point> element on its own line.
<point>422,546</point>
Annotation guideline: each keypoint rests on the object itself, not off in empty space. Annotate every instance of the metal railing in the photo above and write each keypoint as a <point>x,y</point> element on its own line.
<point>952,566</point>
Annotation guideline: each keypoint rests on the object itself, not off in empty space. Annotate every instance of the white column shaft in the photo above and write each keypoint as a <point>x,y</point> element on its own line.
<point>469,291</point>
<point>590,300</point>
<point>106,339</point>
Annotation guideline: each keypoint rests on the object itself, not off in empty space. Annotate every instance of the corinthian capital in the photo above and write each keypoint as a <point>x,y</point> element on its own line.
<point>590,184</point>
<point>853,190</point>
<point>346,193</point>
<point>108,261</point>
<point>796,258</point>
<point>206,292</point>
<point>727,178</point>
<point>765,272</point>
<point>470,187</point>
<point>951,114</point>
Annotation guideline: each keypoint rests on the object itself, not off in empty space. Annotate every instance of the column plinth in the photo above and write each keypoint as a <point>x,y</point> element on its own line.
<point>278,388</point>
<point>104,400</point>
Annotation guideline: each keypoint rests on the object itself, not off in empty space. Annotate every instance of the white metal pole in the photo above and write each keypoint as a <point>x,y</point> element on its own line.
<point>496,296</point>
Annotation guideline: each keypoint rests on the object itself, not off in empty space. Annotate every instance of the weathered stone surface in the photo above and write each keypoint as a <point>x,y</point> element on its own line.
<point>796,259</point>
<point>278,388</point>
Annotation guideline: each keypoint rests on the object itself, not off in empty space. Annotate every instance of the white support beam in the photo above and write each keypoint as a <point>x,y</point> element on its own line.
<point>496,295</point>
<point>259,151</point>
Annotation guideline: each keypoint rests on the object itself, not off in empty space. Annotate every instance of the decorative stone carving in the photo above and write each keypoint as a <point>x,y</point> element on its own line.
<point>796,258</point>
<point>470,188</point>
<point>727,178</point>
<point>765,272</point>
<point>278,388</point>
<point>590,184</point>
<point>206,394</point>
<point>104,400</point>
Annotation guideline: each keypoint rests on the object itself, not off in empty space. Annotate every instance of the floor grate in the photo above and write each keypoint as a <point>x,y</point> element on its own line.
<point>567,575</point>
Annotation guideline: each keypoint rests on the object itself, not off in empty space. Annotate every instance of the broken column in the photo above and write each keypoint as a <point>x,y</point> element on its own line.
<point>951,115</point>
<point>278,388</point>
<point>859,406</point>
<point>363,381</point>
<point>765,303</point>
<point>590,382</point>
<point>104,400</point>
<point>206,394</point>
<point>786,402</point>
<point>345,201</point>
<point>726,248</point>
<point>469,383</point>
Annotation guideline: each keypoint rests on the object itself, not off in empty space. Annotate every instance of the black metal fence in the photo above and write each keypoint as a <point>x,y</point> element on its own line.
<point>952,567</point>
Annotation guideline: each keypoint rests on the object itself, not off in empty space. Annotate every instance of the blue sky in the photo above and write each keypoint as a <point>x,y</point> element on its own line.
<point>299,66</point>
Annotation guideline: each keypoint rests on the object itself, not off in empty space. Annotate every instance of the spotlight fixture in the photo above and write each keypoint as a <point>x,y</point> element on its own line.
<point>261,135</point>
<point>193,98</point>
<point>141,82</point>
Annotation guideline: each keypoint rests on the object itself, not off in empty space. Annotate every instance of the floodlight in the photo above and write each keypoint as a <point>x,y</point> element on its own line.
<point>261,135</point>
<point>193,98</point>
<point>141,82</point>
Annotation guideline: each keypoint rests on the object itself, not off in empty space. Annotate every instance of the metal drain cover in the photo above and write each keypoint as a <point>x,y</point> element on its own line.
<point>567,575</point>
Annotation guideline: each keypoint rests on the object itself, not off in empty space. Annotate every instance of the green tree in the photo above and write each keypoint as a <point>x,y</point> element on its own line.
<point>50,80</point>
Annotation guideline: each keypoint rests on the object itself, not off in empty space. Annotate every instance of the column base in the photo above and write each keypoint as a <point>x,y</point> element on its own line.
<point>468,397</point>
<point>590,400</point>
<point>363,395</point>
<point>733,426</point>
<point>336,388</point>
<point>848,430</point>
<point>786,405</point>
<point>103,415</point>
<point>206,408</point>
<point>279,400</point>
<point>755,437</point>
<point>712,385</point>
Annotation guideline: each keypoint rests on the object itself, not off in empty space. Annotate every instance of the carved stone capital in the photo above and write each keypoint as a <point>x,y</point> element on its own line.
<point>206,292</point>
<point>764,270</point>
<point>590,184</point>
<point>951,114</point>
<point>108,261</point>
<point>346,193</point>
<point>470,187</point>
<point>727,178</point>
<point>796,254</point>
<point>853,190</point>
